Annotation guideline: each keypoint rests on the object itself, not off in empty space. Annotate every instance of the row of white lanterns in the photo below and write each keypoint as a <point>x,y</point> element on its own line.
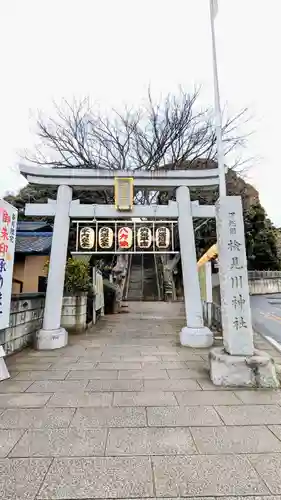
<point>125,237</point>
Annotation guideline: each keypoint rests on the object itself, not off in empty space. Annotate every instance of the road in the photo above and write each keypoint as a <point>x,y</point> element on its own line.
<point>266,315</point>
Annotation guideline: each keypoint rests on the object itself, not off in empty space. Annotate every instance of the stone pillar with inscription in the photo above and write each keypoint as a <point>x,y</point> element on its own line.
<point>233,274</point>
<point>237,363</point>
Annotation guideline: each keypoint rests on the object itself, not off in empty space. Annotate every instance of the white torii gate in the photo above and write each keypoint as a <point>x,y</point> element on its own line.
<point>52,335</point>
<point>236,363</point>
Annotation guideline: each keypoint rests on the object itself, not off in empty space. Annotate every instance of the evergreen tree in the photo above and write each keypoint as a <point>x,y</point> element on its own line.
<point>261,240</point>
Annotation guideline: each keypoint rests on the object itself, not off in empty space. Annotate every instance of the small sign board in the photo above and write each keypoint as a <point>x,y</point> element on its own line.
<point>124,193</point>
<point>8,226</point>
<point>98,284</point>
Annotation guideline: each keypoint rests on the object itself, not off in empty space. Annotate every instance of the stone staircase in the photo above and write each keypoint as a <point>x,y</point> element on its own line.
<point>135,288</point>
<point>143,279</point>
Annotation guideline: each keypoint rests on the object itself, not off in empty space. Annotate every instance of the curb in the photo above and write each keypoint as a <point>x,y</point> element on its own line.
<point>274,343</point>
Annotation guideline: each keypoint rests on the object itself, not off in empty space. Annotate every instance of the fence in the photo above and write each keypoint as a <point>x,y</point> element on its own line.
<point>98,301</point>
<point>211,311</point>
<point>212,315</point>
<point>255,275</point>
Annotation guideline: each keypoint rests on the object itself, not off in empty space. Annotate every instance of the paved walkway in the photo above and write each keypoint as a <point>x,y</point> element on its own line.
<point>125,412</point>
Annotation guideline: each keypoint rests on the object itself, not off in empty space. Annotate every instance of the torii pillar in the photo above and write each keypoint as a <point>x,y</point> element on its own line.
<point>194,334</point>
<point>52,335</point>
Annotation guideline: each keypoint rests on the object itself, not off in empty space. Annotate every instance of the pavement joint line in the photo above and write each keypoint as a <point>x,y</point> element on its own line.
<point>262,479</point>
<point>153,477</point>
<point>106,441</point>
<point>71,418</point>
<point>146,416</point>
<point>43,479</point>
<point>24,431</point>
<point>51,394</point>
<point>150,455</point>
<point>31,382</point>
<point>268,426</point>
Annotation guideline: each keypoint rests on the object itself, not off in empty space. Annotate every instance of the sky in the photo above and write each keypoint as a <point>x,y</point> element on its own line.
<point>111,50</point>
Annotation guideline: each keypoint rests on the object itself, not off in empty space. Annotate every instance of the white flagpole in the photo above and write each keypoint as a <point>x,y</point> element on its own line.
<point>218,119</point>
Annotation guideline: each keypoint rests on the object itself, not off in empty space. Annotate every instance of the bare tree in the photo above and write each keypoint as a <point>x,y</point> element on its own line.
<point>172,133</point>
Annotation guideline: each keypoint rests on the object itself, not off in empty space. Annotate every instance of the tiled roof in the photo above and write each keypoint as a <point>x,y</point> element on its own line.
<point>41,243</point>
<point>24,225</point>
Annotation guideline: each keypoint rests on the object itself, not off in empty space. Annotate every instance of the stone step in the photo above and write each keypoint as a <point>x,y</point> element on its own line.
<point>143,279</point>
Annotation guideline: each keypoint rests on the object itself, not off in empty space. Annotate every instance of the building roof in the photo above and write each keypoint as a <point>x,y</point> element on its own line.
<point>33,237</point>
<point>24,225</point>
<point>34,243</point>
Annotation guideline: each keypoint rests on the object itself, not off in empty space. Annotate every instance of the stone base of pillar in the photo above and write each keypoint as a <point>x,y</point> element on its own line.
<point>4,373</point>
<point>51,339</point>
<point>242,371</point>
<point>196,337</point>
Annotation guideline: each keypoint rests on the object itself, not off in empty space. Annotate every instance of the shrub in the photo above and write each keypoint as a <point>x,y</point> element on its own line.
<point>77,276</point>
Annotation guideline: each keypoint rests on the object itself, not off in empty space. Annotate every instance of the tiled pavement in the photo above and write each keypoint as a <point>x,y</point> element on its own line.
<point>125,412</point>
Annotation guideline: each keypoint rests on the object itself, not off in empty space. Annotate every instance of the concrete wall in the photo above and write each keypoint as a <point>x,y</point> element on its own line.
<point>264,286</point>
<point>27,309</point>
<point>260,283</point>
<point>26,318</point>
<point>74,313</point>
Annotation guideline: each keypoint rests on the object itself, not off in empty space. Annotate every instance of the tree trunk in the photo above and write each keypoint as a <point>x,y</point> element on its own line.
<point>119,273</point>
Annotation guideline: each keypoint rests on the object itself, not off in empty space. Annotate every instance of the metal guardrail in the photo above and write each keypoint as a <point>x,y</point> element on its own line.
<point>212,315</point>
<point>159,276</point>
<point>216,317</point>
<point>127,279</point>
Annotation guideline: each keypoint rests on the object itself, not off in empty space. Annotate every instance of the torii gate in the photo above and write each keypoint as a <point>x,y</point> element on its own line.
<point>236,316</point>
<point>52,335</point>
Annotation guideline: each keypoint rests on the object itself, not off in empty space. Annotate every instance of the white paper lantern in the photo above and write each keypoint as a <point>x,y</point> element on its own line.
<point>162,237</point>
<point>144,237</point>
<point>87,238</point>
<point>105,237</point>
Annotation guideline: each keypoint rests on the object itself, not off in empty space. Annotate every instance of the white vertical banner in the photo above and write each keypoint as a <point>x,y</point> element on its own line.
<point>98,285</point>
<point>8,225</point>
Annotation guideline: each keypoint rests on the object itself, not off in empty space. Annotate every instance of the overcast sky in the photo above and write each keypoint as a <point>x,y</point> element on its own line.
<point>112,49</point>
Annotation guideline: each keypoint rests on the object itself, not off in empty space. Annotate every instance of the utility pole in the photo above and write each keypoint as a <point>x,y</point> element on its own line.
<point>218,118</point>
